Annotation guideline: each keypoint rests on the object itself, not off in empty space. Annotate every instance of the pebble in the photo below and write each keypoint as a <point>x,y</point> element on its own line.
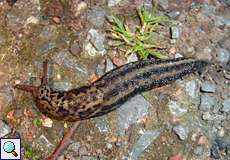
<point>142,143</point>
<point>132,58</point>
<point>44,143</point>
<point>4,129</point>
<point>112,3</point>
<point>101,124</point>
<point>164,4</point>
<point>131,111</point>
<point>75,49</point>
<point>226,106</point>
<point>94,44</point>
<point>207,102</point>
<point>223,55</point>
<point>173,14</point>
<point>100,70</point>
<point>96,17</point>
<point>176,109</point>
<point>191,88</point>
<point>62,85</point>
<point>175,33</point>
<point>220,21</point>
<point>218,146</point>
<point>46,47</point>
<point>208,86</point>
<point>213,117</point>
<point>198,151</point>
<point>48,32</point>
<point>65,58</point>
<point>20,16</point>
<point>181,131</point>
<point>176,157</point>
<point>109,65</point>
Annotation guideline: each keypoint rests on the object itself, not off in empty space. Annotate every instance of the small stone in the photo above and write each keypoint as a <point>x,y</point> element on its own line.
<point>203,140</point>
<point>173,14</point>
<point>44,144</point>
<point>132,58</point>
<point>47,122</point>
<point>78,7</point>
<point>198,151</point>
<point>226,106</point>
<point>62,85</point>
<point>96,17</point>
<point>64,57</point>
<point>83,150</point>
<point>101,124</point>
<point>100,69</point>
<point>191,88</point>
<point>175,33</point>
<point>4,129</point>
<point>164,4</point>
<point>109,65</point>
<point>131,111</point>
<point>181,131</point>
<point>213,117</point>
<point>178,55</point>
<point>208,86</point>
<point>56,20</point>
<point>75,49</point>
<point>109,146</point>
<point>176,157</point>
<point>207,102</point>
<point>46,47</point>
<point>218,146</point>
<point>223,55</point>
<point>112,3</point>
<point>176,109</point>
<point>94,43</point>
<point>142,143</point>
<point>220,21</point>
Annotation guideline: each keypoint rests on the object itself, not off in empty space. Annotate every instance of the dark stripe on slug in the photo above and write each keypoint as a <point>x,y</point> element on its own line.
<point>122,70</point>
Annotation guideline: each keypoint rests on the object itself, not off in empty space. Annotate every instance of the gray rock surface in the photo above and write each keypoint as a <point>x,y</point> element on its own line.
<point>142,143</point>
<point>101,124</point>
<point>96,17</point>
<point>226,106</point>
<point>30,14</point>
<point>176,109</point>
<point>62,85</point>
<point>109,65</point>
<point>191,88</point>
<point>4,129</point>
<point>208,86</point>
<point>131,111</point>
<point>175,32</point>
<point>65,58</point>
<point>181,131</point>
<point>223,55</point>
<point>112,3</point>
<point>207,102</point>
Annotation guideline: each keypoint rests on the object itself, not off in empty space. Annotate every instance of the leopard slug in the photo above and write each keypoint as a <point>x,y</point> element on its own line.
<point>111,90</point>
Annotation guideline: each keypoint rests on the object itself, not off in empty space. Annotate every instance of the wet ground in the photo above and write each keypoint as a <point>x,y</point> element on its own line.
<point>186,120</point>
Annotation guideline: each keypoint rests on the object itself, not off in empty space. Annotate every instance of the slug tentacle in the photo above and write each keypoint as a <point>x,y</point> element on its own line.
<point>112,89</point>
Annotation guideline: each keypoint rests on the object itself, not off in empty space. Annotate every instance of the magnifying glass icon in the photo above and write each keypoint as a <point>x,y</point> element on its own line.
<point>9,147</point>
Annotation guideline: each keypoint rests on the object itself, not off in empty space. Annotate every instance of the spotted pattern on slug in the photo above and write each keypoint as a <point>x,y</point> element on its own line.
<point>114,88</point>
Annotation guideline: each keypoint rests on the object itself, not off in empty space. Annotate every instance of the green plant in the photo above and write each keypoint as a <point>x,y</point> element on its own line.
<point>142,41</point>
<point>29,152</point>
<point>37,122</point>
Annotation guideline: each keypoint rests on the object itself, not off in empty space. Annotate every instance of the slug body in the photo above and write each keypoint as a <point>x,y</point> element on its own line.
<point>112,89</point>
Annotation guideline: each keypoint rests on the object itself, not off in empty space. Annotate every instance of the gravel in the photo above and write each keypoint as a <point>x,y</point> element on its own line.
<point>175,32</point>
<point>4,129</point>
<point>131,111</point>
<point>142,143</point>
<point>181,131</point>
<point>176,109</point>
<point>96,17</point>
<point>208,86</point>
<point>226,106</point>
<point>223,55</point>
<point>207,102</point>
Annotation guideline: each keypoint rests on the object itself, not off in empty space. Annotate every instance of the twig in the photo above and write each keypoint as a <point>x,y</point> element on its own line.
<point>65,142</point>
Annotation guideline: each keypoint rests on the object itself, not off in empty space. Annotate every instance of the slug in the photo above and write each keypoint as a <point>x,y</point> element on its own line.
<point>111,90</point>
